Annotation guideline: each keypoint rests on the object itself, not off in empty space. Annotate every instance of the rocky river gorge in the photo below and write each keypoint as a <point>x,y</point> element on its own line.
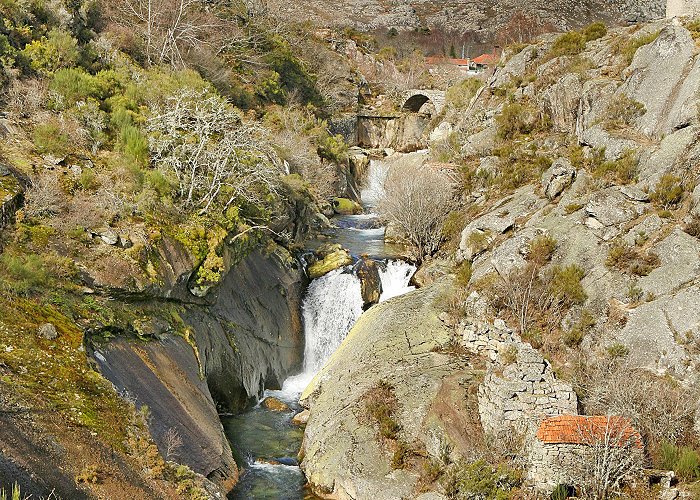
<point>267,442</point>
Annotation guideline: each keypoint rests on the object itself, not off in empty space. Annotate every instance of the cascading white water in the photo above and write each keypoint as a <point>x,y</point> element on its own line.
<point>332,305</point>
<point>374,184</point>
<point>396,278</point>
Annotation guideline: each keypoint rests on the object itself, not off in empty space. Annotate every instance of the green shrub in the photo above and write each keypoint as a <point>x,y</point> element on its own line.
<point>59,50</point>
<point>541,249</point>
<point>617,350</point>
<point>634,293</point>
<point>622,112</point>
<point>621,171</point>
<point>293,75</point>
<point>586,322</point>
<point>88,180</point>
<point>517,119</point>
<point>595,31</point>
<point>333,148</point>
<point>668,191</point>
<point>134,144</point>
<point>481,480</point>
<point>566,285</point>
<point>568,44</point>
<point>694,27</point>
<point>270,89</point>
<point>632,260</point>
<point>693,227</point>
<point>380,404</point>
<point>50,138</point>
<point>402,451</point>
<point>464,273</point>
<point>519,167</point>
<point>573,207</point>
<point>629,49</point>
<point>460,95</point>
<point>684,461</point>
<point>23,274</point>
<point>164,186</point>
<point>74,84</point>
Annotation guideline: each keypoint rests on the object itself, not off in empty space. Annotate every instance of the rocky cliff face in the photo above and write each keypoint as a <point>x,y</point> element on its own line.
<point>594,152</point>
<point>405,133</point>
<point>207,356</point>
<point>592,216</point>
<point>485,18</point>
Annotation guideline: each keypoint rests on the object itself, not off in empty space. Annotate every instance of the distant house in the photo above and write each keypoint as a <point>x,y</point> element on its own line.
<point>484,61</point>
<point>562,442</point>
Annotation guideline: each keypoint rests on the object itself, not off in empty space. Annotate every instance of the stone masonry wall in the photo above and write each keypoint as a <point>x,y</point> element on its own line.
<point>520,388</point>
<point>550,463</point>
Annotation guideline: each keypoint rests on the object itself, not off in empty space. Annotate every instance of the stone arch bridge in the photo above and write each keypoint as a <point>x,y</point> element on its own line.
<point>415,99</point>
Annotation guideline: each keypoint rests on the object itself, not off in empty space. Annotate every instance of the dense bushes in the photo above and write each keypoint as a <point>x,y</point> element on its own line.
<point>480,480</point>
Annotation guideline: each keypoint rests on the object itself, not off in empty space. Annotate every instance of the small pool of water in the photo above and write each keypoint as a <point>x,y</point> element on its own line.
<point>360,234</point>
<point>263,435</point>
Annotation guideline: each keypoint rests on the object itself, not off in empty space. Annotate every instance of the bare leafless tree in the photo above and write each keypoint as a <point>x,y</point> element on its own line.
<point>172,443</point>
<point>661,409</point>
<point>202,141</point>
<point>169,28</point>
<point>417,199</point>
<point>612,452</point>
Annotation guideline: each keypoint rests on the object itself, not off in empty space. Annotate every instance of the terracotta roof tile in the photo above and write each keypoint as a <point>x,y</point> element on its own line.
<point>579,429</point>
<point>485,59</point>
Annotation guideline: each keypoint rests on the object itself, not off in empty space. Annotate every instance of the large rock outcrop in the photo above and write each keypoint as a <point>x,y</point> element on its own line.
<point>209,356</point>
<point>402,343</point>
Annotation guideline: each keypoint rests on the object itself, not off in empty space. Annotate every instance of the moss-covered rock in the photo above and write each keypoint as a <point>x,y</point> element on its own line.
<point>336,259</point>
<point>344,206</point>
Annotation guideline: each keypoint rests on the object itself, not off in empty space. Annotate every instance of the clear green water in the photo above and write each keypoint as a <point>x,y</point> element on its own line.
<point>263,434</point>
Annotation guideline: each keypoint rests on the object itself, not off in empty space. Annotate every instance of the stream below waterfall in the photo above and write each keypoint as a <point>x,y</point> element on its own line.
<point>331,306</point>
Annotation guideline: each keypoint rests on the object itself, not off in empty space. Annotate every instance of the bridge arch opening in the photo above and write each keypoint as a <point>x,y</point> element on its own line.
<point>416,102</point>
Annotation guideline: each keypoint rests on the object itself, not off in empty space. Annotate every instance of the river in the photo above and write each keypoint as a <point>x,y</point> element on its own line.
<point>331,307</point>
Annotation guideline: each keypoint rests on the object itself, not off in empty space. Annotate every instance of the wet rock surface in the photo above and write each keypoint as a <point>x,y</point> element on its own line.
<point>367,271</point>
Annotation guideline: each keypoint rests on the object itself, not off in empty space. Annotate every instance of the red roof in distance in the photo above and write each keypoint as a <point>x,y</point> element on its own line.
<point>584,430</point>
<point>485,59</point>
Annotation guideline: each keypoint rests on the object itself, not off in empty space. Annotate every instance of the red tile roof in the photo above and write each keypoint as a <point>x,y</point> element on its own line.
<point>485,59</point>
<point>578,429</point>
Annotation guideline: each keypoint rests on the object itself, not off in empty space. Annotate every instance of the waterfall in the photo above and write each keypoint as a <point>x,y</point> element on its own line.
<point>374,184</point>
<point>395,279</point>
<point>332,305</point>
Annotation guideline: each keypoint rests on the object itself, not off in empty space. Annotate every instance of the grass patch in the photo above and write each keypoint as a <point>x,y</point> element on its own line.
<point>632,260</point>
<point>381,405</point>
<point>620,171</point>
